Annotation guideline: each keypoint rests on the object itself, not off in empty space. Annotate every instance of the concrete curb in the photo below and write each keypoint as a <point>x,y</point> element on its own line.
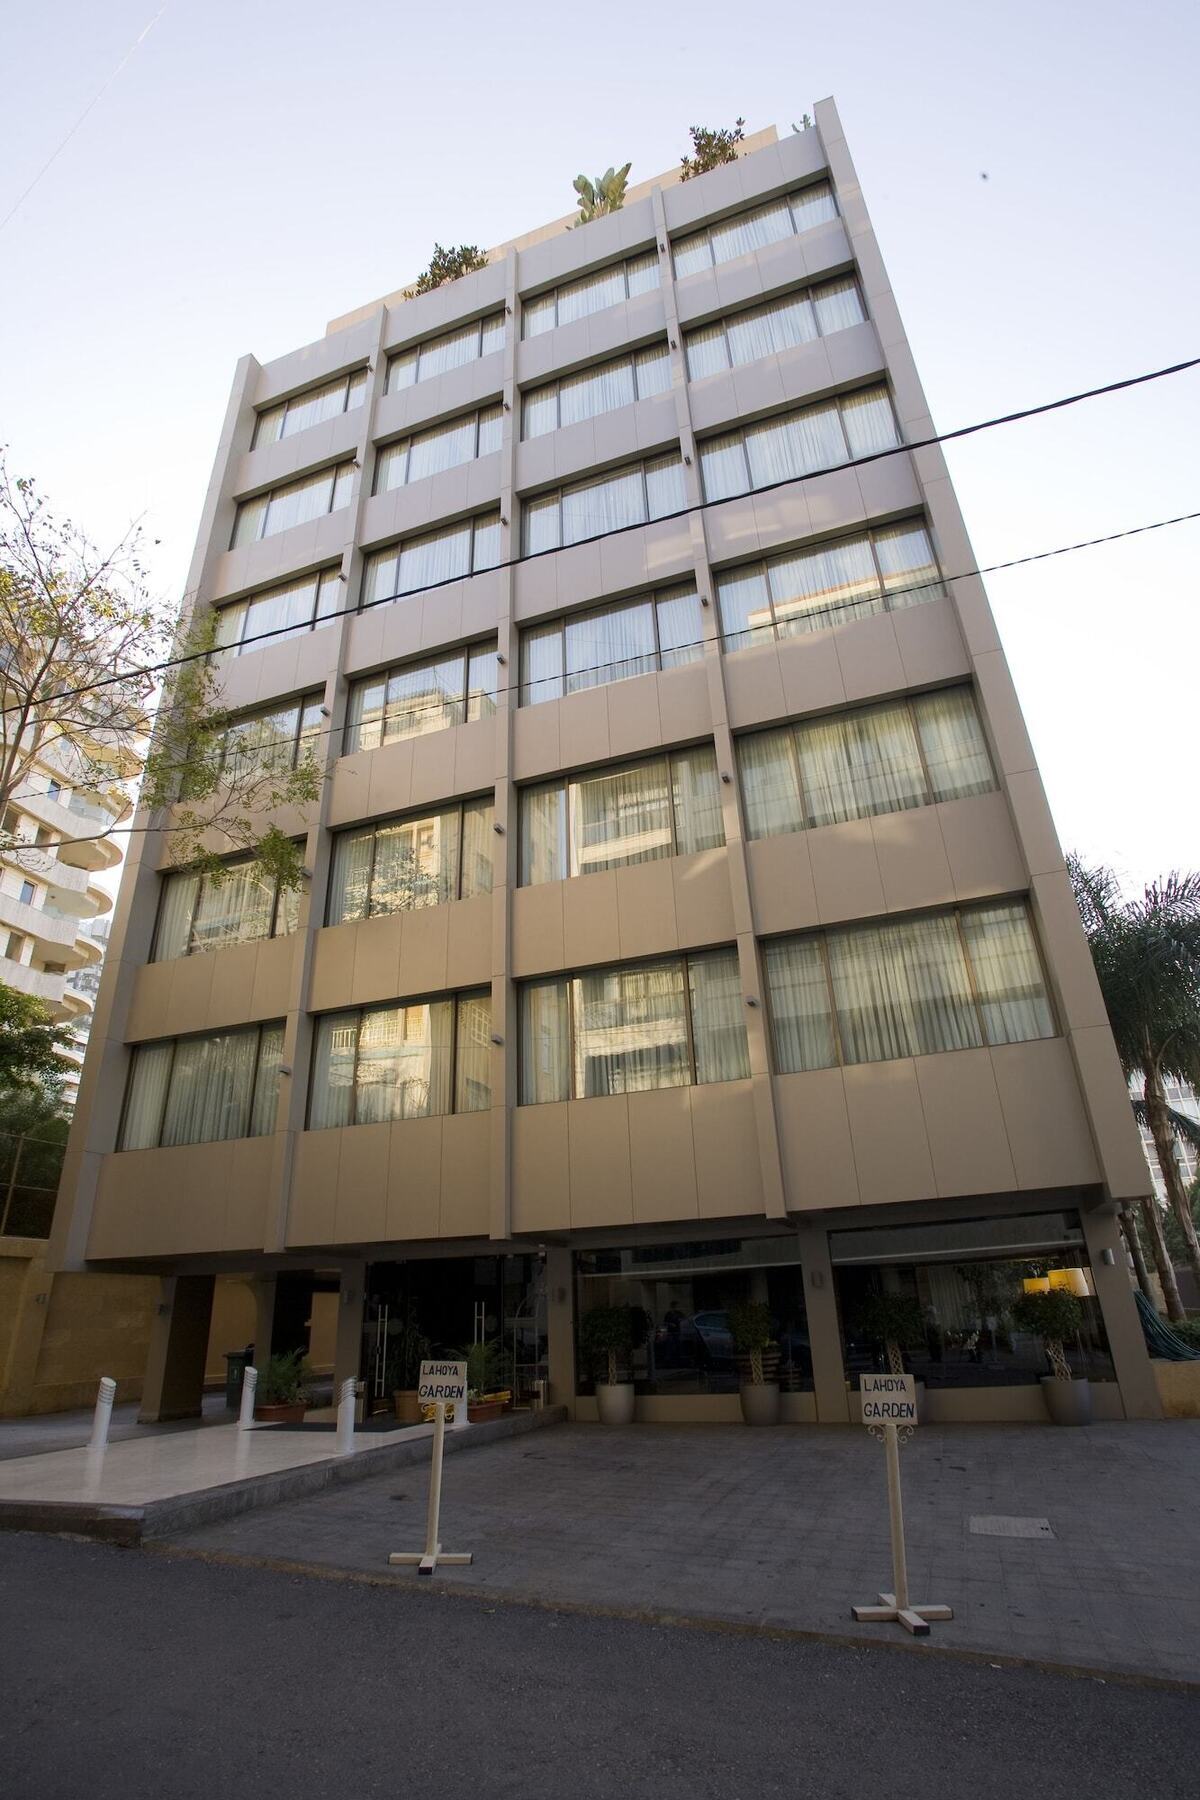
<point>129,1526</point>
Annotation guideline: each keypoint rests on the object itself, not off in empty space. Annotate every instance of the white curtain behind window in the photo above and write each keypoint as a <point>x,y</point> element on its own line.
<point>870,422</point>
<point>472,1075</point>
<point>707,351</point>
<point>209,1096</point>
<point>751,231</point>
<point>664,485</point>
<point>952,739</point>
<point>768,329</point>
<point>266,1084</point>
<point>542,523</point>
<point>350,876</point>
<point>425,697</point>
<point>147,1096</point>
<point>813,206</point>
<point>440,556</point>
<point>595,391</point>
<point>364,726</point>
<point>1008,974</point>
<point>724,467</point>
<point>541,664</point>
<point>838,304</point>
<point>620,816</point>
<point>718,1017</point>
<point>544,834</point>
<point>902,990</point>
<point>696,800</point>
<point>539,411</point>
<point>609,646</point>
<point>864,764</point>
<point>601,506</point>
<point>906,560</point>
<point>745,607</point>
<point>630,1030</point>
<point>233,911</point>
<point>416,863</point>
<point>545,1042</point>
<point>770,794</point>
<point>802,1026</point>
<point>680,630</point>
<point>333,1070</point>
<point>445,447</point>
<point>824,587</point>
<point>692,254</point>
<point>476,857</point>
<point>653,370</point>
<point>179,896</point>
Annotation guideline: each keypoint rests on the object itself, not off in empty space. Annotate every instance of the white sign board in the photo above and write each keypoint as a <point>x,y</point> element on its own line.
<point>888,1399</point>
<point>442,1381</point>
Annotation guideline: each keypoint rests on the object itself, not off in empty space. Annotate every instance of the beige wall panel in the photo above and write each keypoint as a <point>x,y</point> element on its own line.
<point>634,724</point>
<point>661,1160</point>
<point>474,769</point>
<point>191,987</point>
<point>998,702</point>
<point>684,710</point>
<point>1077,990</point>
<point>891,1146</point>
<point>231,996</point>
<point>583,728</point>
<point>118,1214</point>
<point>754,688</point>
<point>469,942</point>
<point>1031,816</point>
<point>186,1214</point>
<point>423,950</point>
<point>590,932</point>
<point>390,785</point>
<point>377,949</point>
<point>725,1138</point>
<point>781,878</point>
<point>248,1178</point>
<point>645,894</point>
<point>333,967</point>
<point>1043,1114</point>
<point>870,658</point>
<point>362,1184</point>
<point>541,1179</point>
<point>845,871</point>
<point>465,1197</point>
<point>814,1136</point>
<point>913,865</point>
<point>414,1183</point>
<point>350,789</point>
<point>965,1123</point>
<point>433,763</point>
<point>537,928</point>
<point>314,1187</point>
<point>273,977</point>
<point>150,1005</point>
<point>536,740</point>
<point>930,643</point>
<point>768,520</point>
<point>835,504</point>
<point>980,846</point>
<point>812,673</point>
<point>1118,1142</point>
<point>703,898</point>
<point>598,1145</point>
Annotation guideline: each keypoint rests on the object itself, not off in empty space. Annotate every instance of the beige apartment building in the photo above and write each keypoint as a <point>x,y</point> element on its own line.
<point>683,918</point>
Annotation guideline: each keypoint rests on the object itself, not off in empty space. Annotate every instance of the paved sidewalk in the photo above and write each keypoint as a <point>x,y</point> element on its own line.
<point>40,1433</point>
<point>788,1527</point>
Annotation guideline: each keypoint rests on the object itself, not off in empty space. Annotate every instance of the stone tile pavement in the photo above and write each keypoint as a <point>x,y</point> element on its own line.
<point>786,1528</point>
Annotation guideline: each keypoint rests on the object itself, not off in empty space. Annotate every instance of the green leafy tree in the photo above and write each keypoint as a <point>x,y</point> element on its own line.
<point>31,1044</point>
<point>33,1137</point>
<point>606,194</point>
<point>750,1326</point>
<point>896,1322</point>
<point>608,1336</point>
<point>447,265</point>
<point>711,148</point>
<point>1053,1317</point>
<point>1147,957</point>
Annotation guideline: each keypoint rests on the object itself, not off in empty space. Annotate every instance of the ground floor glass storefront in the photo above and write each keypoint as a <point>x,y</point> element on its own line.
<point>452,1303</point>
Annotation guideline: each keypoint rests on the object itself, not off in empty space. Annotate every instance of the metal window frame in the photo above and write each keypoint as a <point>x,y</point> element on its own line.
<point>188,1037</point>
<point>454,997</point>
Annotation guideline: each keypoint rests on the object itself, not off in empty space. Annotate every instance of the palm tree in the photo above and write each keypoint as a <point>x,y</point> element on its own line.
<point>1147,957</point>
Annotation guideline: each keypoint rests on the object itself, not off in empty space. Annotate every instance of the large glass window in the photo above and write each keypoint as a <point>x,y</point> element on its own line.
<point>798,443</point>
<point>597,390</point>
<point>634,637</point>
<point>906,987</point>
<point>809,590</point>
<point>442,447</point>
<point>198,912</point>
<point>295,504</point>
<point>279,612</point>
<point>629,496</point>
<point>591,293</point>
<point>880,760</point>
<point>669,1023</point>
<point>377,1064</point>
<point>422,562</point>
<point>419,697</point>
<point>754,229</point>
<point>436,356</point>
<point>312,407</point>
<point>270,739</point>
<point>195,1090</point>
<point>779,325</point>
<point>410,863</point>
<point>670,806</point>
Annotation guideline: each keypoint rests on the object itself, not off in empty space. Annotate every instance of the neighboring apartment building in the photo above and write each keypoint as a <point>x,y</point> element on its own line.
<point>685,921</point>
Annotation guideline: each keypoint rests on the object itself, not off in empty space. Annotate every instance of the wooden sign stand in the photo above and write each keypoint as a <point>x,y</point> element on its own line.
<point>440,1382</point>
<point>896,1608</point>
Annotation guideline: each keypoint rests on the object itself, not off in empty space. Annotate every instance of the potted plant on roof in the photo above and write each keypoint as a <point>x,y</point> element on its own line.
<point>608,1337</point>
<point>757,1355</point>
<point>896,1323</point>
<point>283,1390</point>
<point>1052,1317</point>
<point>407,1349</point>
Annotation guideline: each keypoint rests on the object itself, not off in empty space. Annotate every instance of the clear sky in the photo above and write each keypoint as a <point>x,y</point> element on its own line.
<point>260,166</point>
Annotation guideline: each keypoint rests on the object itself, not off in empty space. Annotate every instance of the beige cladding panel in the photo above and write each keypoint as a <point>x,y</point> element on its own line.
<point>541,1168</point>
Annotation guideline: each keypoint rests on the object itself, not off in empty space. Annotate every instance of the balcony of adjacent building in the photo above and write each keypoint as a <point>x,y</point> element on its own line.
<point>80,824</point>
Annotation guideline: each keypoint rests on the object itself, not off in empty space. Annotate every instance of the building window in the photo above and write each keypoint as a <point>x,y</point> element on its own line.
<point>441,447</point>
<point>279,612</point>
<point>296,504</point>
<point>793,444</point>
<point>10,824</point>
<point>629,496</point>
<point>595,391</point>
<point>310,408</point>
<point>270,740</point>
<point>669,806</point>
<point>419,697</point>
<point>410,863</point>
<point>422,562</point>
<point>196,1090</point>
<point>54,790</point>
<point>744,337</point>
<point>436,356</point>
<point>591,293</point>
<point>753,230</point>
<point>808,590</point>
<point>377,1064</point>
<point>197,913</point>
<point>14,946</point>
<point>635,637</point>
<point>906,987</point>
<point>674,1022</point>
<point>28,893</point>
<point>883,759</point>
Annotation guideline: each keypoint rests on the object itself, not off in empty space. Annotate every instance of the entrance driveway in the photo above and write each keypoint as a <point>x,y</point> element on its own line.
<point>788,1527</point>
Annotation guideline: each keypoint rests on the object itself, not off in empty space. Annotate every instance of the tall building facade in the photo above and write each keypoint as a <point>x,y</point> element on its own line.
<point>683,919</point>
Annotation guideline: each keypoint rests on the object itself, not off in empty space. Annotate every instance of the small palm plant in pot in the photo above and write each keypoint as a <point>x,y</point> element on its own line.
<point>488,1389</point>
<point>757,1356</point>
<point>407,1349</point>
<point>283,1390</point>
<point>1054,1317</point>
<point>608,1337</point>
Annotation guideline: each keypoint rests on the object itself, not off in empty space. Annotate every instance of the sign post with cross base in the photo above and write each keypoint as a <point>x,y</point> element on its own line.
<point>440,1384</point>
<point>889,1407</point>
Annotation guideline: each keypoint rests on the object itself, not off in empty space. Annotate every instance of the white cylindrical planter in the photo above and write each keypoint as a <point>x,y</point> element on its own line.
<point>102,1417</point>
<point>760,1402</point>
<point>615,1402</point>
<point>249,1384</point>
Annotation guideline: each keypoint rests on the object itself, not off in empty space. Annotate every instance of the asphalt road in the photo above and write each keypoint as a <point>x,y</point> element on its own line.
<point>126,1674</point>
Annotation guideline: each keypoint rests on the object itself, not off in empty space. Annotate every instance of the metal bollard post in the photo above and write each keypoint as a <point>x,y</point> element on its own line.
<point>249,1383</point>
<point>345,1417</point>
<point>102,1417</point>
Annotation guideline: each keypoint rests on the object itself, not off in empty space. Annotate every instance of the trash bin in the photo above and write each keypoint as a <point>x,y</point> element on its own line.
<point>236,1364</point>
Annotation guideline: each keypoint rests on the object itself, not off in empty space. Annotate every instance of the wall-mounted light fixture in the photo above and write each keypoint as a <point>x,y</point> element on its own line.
<point>674,344</point>
<point>501,659</point>
<point>498,828</point>
<point>687,459</point>
<point>750,1000</point>
<point>285,1068</point>
<point>326,712</point>
<point>497,1039</point>
<point>503,520</point>
<point>704,599</point>
<point>726,777</point>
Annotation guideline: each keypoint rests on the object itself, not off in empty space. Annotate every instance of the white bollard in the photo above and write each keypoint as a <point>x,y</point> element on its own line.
<point>102,1418</point>
<point>249,1383</point>
<point>347,1401</point>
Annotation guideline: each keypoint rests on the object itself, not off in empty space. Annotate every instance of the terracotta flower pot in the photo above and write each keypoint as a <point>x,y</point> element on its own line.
<point>480,1411</point>
<point>281,1412</point>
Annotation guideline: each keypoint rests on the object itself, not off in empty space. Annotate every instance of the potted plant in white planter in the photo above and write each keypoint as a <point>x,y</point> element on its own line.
<point>757,1356</point>
<point>1052,1317</point>
<point>608,1336</point>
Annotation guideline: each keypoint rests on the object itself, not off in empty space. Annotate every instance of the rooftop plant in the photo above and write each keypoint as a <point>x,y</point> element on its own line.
<point>604,195</point>
<point>447,265</point>
<point>711,147</point>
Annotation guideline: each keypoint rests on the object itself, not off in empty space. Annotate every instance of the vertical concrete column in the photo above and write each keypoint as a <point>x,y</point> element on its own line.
<point>560,1327</point>
<point>504,871</point>
<point>824,1327</point>
<point>352,1298</point>
<point>174,1384</point>
<point>1114,1291</point>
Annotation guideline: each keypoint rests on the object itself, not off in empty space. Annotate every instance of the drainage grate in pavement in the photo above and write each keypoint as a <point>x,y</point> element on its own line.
<point>1003,1525</point>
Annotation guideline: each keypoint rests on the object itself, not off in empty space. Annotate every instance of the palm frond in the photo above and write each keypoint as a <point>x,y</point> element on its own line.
<point>1184,1127</point>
